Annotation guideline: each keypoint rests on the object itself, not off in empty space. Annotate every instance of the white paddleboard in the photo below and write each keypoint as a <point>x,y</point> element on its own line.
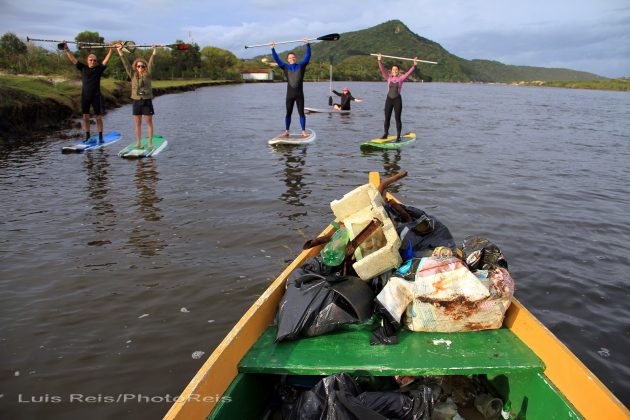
<point>330,110</point>
<point>294,138</point>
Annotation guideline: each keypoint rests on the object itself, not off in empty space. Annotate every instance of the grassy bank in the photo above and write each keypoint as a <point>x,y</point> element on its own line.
<point>29,104</point>
<point>609,84</point>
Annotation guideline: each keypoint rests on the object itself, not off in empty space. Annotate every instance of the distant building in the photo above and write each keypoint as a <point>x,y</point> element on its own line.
<point>257,74</point>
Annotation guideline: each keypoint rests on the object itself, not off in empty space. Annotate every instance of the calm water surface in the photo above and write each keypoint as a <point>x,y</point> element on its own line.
<point>114,272</point>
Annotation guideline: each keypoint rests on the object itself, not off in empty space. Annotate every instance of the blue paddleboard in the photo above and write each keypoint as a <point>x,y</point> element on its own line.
<point>92,143</point>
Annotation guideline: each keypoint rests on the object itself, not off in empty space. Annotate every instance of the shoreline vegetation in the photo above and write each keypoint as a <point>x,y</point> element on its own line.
<point>32,104</point>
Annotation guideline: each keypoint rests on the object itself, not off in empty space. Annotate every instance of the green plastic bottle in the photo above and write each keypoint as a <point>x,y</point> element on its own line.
<point>334,252</point>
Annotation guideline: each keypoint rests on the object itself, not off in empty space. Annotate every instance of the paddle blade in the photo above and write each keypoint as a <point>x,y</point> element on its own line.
<point>330,101</point>
<point>182,47</point>
<point>329,37</point>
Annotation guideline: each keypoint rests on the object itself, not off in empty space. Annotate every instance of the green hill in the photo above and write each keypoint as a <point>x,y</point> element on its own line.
<point>395,38</point>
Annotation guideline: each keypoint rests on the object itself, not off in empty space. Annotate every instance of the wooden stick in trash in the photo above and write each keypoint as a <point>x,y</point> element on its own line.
<point>357,241</point>
<point>388,181</point>
<point>311,243</point>
<point>406,217</point>
<point>363,236</point>
<point>398,208</point>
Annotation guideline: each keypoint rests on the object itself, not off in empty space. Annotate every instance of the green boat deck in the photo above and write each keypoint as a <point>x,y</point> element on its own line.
<point>510,368</point>
<point>467,353</point>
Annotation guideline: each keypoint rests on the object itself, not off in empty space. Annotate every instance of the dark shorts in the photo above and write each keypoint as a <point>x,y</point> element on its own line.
<point>143,107</point>
<point>95,102</point>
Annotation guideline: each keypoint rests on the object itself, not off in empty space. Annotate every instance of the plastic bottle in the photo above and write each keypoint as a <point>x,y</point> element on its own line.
<point>334,252</point>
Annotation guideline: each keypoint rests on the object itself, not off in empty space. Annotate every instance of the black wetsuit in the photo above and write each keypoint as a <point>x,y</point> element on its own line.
<point>345,100</point>
<point>295,80</point>
<point>393,102</point>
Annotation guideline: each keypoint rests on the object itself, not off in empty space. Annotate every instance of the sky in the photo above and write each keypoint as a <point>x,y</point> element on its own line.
<point>586,35</point>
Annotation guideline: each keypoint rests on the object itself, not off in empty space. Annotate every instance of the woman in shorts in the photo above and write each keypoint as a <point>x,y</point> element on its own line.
<point>141,93</point>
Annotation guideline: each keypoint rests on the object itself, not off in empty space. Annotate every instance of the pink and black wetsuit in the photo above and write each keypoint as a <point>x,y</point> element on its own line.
<point>393,102</point>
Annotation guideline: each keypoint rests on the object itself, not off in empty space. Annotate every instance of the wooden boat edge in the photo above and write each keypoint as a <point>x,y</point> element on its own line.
<point>567,373</point>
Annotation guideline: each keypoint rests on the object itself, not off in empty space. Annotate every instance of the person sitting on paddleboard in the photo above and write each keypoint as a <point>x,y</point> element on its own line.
<point>141,93</point>
<point>394,100</point>
<point>91,90</point>
<point>294,72</point>
<point>346,97</point>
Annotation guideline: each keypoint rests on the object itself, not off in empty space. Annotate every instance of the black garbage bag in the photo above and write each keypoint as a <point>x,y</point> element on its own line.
<point>314,304</point>
<point>480,253</point>
<point>421,236</point>
<point>339,397</point>
<point>387,333</point>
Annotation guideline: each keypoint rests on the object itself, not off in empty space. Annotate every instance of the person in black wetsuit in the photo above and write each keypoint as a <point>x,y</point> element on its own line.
<point>346,97</point>
<point>91,90</point>
<point>294,72</point>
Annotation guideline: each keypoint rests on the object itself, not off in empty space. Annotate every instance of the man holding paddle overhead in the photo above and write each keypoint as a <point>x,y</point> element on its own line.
<point>294,73</point>
<point>91,90</point>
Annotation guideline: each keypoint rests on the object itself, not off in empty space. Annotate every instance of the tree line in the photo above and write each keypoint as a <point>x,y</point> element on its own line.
<point>20,57</point>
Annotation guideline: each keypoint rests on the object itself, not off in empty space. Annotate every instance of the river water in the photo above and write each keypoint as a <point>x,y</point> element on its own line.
<point>113,273</point>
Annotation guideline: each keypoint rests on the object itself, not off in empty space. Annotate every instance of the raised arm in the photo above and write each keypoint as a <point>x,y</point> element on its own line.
<point>404,76</point>
<point>70,56</point>
<point>109,54</point>
<point>276,58</point>
<point>123,60</point>
<point>307,56</point>
<point>150,65</point>
<point>382,67</point>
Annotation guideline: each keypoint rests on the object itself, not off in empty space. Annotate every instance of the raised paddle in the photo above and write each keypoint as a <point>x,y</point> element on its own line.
<point>330,100</point>
<point>329,37</point>
<point>127,46</point>
<point>354,52</point>
<point>130,46</point>
<point>61,45</point>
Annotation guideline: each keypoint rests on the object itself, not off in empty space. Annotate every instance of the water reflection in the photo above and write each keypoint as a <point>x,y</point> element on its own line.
<point>391,164</point>
<point>294,161</point>
<point>145,237</point>
<point>102,213</point>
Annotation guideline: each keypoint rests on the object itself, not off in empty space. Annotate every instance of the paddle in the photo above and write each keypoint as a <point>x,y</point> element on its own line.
<point>355,52</point>
<point>127,46</point>
<point>130,46</point>
<point>330,101</point>
<point>61,45</point>
<point>329,37</point>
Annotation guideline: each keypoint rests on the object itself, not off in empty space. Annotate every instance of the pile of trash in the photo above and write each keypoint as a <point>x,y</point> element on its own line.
<point>342,396</point>
<point>400,264</point>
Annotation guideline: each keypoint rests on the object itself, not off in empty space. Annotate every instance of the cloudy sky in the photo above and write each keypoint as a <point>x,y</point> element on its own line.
<point>587,35</point>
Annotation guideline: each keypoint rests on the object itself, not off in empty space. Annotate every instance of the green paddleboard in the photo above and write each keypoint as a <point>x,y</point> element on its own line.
<point>390,142</point>
<point>131,152</point>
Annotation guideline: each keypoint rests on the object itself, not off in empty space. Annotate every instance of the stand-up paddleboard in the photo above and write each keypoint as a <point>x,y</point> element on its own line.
<point>92,143</point>
<point>390,142</point>
<point>295,138</point>
<point>330,110</point>
<point>131,152</point>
